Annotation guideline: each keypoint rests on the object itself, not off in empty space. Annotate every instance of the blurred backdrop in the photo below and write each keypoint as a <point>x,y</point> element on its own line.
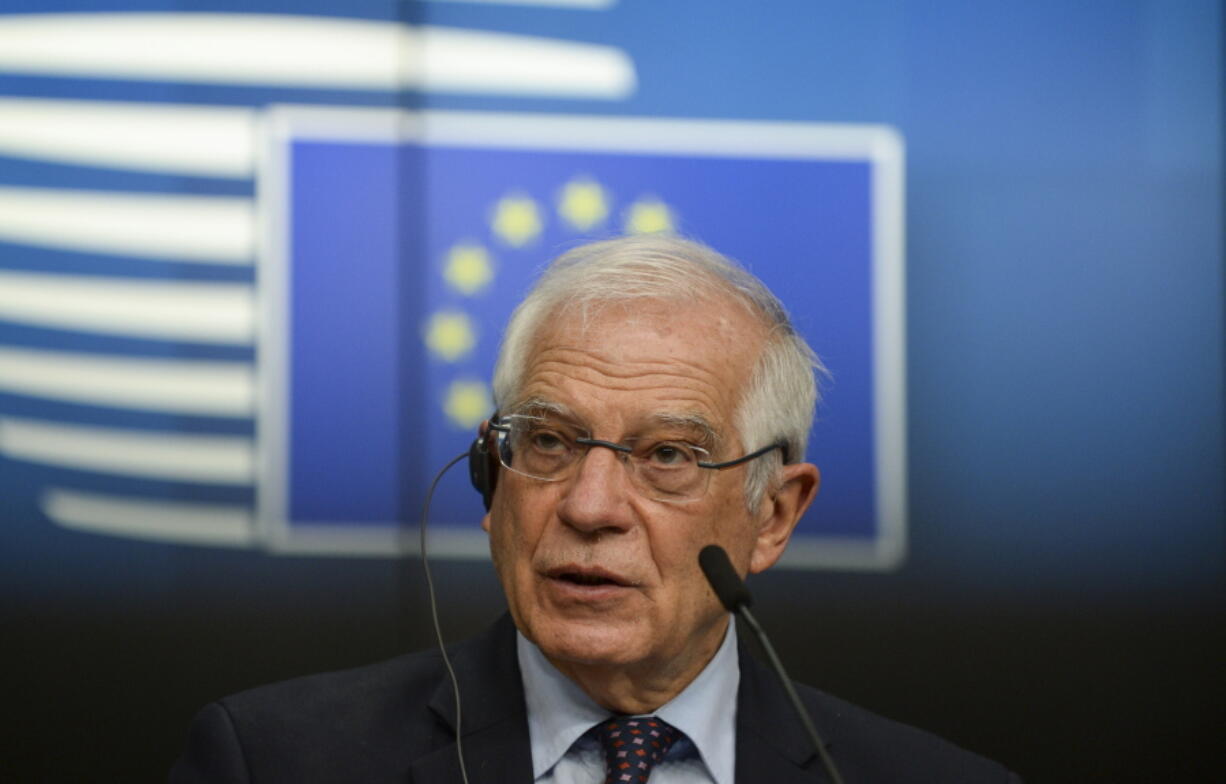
<point>254,258</point>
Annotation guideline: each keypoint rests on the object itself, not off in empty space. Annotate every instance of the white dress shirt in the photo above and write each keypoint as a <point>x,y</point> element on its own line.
<point>560,714</point>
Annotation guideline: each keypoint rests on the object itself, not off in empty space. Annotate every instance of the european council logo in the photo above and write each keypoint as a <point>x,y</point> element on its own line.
<point>283,359</point>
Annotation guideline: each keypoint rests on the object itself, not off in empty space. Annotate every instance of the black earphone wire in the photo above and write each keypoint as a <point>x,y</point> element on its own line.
<point>438,629</point>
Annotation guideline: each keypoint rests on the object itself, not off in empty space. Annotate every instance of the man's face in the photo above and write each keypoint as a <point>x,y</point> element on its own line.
<point>595,572</point>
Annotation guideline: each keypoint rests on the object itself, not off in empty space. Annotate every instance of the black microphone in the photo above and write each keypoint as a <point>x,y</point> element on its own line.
<point>728,586</point>
<point>733,594</point>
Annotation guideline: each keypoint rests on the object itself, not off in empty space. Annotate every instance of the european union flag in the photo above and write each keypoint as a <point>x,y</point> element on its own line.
<point>400,243</point>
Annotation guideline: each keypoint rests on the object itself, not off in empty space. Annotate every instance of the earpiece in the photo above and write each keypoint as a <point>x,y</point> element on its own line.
<point>483,462</point>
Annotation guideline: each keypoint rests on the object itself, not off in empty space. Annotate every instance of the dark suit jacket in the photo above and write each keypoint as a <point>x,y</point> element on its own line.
<point>395,722</point>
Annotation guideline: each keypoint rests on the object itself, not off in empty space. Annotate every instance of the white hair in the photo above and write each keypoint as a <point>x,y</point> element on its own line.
<point>777,403</point>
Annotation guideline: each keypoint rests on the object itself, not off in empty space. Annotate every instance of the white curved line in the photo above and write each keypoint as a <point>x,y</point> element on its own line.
<point>176,386</point>
<point>201,229</point>
<point>586,5</point>
<point>221,313</point>
<point>174,138</point>
<point>169,456</point>
<point>164,521</point>
<point>471,62</point>
<point>305,51</point>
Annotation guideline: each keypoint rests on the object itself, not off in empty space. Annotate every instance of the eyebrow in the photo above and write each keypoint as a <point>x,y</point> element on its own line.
<point>534,406</point>
<point>694,422</point>
<point>706,434</point>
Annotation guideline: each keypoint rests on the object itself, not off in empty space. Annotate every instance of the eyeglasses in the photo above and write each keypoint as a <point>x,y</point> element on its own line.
<point>659,467</point>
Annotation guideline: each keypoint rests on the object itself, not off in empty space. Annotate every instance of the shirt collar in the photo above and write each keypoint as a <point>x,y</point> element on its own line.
<point>559,712</point>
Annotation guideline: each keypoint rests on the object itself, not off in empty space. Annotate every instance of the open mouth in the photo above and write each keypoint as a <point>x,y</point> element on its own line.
<point>586,578</point>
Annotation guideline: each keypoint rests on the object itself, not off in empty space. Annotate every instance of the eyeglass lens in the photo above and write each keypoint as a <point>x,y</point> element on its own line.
<point>548,450</point>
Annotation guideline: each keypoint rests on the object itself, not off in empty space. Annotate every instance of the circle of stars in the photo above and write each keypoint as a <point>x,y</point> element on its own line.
<point>516,220</point>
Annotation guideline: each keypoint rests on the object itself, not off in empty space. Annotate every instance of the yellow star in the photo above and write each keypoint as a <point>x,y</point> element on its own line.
<point>468,268</point>
<point>468,403</point>
<point>583,203</point>
<point>517,219</point>
<point>649,215</point>
<point>451,335</point>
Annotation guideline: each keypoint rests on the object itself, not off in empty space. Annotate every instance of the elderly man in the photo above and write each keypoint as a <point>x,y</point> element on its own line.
<point>653,398</point>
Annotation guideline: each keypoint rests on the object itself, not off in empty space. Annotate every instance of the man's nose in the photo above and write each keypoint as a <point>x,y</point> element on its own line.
<point>597,494</point>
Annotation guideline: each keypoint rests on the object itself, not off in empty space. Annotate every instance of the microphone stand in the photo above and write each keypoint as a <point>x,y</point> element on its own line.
<point>743,612</point>
<point>732,593</point>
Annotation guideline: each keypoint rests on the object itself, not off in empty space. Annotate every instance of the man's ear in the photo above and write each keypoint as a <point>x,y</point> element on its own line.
<point>781,511</point>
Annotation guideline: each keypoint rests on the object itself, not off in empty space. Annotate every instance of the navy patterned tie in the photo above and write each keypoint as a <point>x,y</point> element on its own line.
<point>632,747</point>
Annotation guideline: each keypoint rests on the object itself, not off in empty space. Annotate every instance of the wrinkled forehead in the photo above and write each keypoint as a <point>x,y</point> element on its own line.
<point>646,360</point>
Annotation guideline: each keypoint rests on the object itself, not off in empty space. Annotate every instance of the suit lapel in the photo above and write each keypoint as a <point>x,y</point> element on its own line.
<point>500,755</point>
<point>771,744</point>
<point>494,723</point>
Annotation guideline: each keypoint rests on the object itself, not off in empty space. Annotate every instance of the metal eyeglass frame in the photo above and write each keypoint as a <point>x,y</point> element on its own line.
<point>504,454</point>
